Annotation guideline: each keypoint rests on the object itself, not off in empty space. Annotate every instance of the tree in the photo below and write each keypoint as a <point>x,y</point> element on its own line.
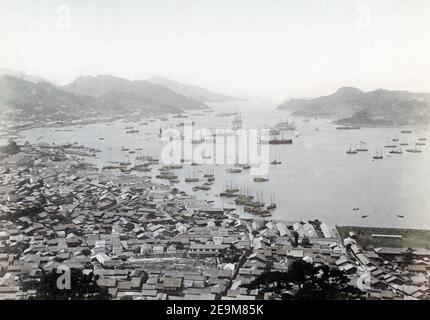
<point>296,238</point>
<point>230,254</point>
<point>10,149</point>
<point>275,282</point>
<point>86,251</point>
<point>83,287</point>
<point>408,256</point>
<point>306,242</point>
<point>311,282</point>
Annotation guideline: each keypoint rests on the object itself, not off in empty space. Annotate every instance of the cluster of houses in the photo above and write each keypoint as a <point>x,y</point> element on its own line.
<point>145,240</point>
<point>391,272</point>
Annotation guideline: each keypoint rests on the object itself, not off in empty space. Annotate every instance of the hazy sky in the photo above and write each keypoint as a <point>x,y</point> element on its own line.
<point>247,48</point>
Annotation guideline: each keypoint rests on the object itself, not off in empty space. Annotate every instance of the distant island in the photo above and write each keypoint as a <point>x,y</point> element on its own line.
<point>352,106</point>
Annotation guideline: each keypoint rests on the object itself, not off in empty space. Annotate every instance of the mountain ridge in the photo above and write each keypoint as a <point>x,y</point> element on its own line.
<point>192,91</point>
<point>42,100</point>
<point>101,84</point>
<point>349,105</point>
<point>21,75</point>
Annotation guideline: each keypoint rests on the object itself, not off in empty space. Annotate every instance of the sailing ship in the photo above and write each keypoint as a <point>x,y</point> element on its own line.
<point>180,116</point>
<point>237,122</point>
<point>175,166</point>
<point>202,187</point>
<point>415,150</point>
<point>167,175</point>
<point>257,211</point>
<point>230,191</point>
<point>276,140</point>
<point>209,175</point>
<point>185,123</point>
<point>198,141</point>
<point>132,131</point>
<point>148,159</point>
<point>238,167</point>
<point>143,167</point>
<point>285,126</point>
<point>191,178</point>
<point>276,161</point>
<point>348,128</point>
<point>272,204</point>
<point>378,155</point>
<point>390,146</point>
<point>350,151</point>
<point>273,132</point>
<point>396,151</point>
<point>258,203</point>
<point>362,147</point>
<point>243,199</point>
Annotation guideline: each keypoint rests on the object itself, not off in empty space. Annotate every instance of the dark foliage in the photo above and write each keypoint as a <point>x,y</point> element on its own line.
<point>83,287</point>
<point>10,148</point>
<point>230,254</point>
<point>408,256</point>
<point>309,283</point>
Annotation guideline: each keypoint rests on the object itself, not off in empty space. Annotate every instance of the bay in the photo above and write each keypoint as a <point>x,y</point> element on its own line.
<point>316,180</point>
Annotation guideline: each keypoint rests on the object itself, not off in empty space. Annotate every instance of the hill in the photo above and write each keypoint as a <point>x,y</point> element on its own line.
<point>353,106</point>
<point>114,101</point>
<point>21,75</point>
<point>192,91</point>
<point>99,85</point>
<point>43,101</point>
<point>31,100</point>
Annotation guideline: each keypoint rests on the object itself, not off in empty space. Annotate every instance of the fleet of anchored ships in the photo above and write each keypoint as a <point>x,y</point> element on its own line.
<point>251,204</point>
<point>273,132</point>
<point>394,145</point>
<point>255,204</point>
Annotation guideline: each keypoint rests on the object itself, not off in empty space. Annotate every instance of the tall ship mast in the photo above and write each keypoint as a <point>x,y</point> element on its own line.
<point>285,126</point>
<point>237,122</point>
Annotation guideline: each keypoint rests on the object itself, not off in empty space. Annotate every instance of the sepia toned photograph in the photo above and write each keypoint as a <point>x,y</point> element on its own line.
<point>183,150</point>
